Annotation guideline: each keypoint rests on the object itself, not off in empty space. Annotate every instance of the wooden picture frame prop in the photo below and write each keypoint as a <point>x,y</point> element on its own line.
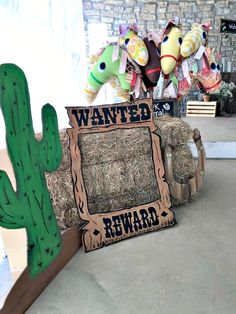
<point>106,227</point>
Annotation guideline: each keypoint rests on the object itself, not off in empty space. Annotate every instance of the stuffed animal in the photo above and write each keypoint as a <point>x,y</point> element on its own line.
<point>194,39</point>
<point>112,60</point>
<point>170,46</point>
<point>134,44</point>
<point>151,71</point>
<point>209,73</point>
<point>192,71</point>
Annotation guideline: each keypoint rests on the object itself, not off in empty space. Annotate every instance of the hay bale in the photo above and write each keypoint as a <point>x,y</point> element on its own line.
<point>126,190</point>
<point>60,187</point>
<point>118,169</point>
<point>66,159</point>
<point>178,129</point>
<point>183,164</point>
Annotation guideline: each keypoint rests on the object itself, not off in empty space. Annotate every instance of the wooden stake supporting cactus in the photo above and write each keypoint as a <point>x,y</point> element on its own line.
<point>30,205</point>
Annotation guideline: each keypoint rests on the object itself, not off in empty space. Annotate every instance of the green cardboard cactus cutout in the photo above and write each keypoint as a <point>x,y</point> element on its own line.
<point>30,205</point>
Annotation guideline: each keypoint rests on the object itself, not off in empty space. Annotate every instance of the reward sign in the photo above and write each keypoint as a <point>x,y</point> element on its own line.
<point>117,172</point>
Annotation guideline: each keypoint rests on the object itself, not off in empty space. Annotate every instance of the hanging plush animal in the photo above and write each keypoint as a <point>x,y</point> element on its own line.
<point>182,77</point>
<point>134,44</point>
<point>195,69</point>
<point>194,39</point>
<point>151,71</point>
<point>209,72</point>
<point>170,46</point>
<point>111,61</point>
<point>123,94</point>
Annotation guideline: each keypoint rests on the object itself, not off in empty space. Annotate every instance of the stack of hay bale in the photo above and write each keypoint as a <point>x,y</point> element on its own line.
<point>60,187</point>
<point>181,134</point>
<point>60,182</point>
<point>118,170</point>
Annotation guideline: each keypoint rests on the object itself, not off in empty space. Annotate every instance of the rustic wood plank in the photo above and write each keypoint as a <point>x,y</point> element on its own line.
<point>201,111</point>
<point>201,158</point>
<point>193,187</point>
<point>26,289</point>
<point>201,103</point>
<point>186,191</point>
<point>200,115</point>
<point>201,107</point>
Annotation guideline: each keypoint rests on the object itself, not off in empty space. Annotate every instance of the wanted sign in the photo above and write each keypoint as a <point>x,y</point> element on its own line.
<point>102,225</point>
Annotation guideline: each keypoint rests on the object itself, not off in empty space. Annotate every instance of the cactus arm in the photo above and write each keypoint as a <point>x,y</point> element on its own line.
<point>10,218</point>
<point>50,146</point>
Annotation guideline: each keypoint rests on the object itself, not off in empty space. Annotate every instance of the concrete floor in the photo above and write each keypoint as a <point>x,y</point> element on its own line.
<point>189,268</point>
<point>192,253</point>
<point>218,135</point>
<point>218,129</point>
<point>6,280</point>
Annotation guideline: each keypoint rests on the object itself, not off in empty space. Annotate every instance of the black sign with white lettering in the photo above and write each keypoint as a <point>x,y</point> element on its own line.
<point>228,26</point>
<point>163,107</point>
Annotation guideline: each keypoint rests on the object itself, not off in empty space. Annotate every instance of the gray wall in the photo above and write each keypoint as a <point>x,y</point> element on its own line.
<point>153,15</point>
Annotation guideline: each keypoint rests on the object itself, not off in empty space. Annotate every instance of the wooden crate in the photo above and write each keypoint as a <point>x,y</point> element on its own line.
<point>201,109</point>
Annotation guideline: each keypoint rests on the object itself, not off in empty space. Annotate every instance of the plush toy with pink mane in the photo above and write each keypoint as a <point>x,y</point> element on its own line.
<point>201,68</point>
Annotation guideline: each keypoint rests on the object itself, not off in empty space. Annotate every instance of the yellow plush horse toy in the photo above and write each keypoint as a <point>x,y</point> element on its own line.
<point>170,46</point>
<point>194,39</point>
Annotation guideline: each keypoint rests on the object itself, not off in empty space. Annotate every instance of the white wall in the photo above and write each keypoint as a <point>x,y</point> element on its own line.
<point>46,39</point>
